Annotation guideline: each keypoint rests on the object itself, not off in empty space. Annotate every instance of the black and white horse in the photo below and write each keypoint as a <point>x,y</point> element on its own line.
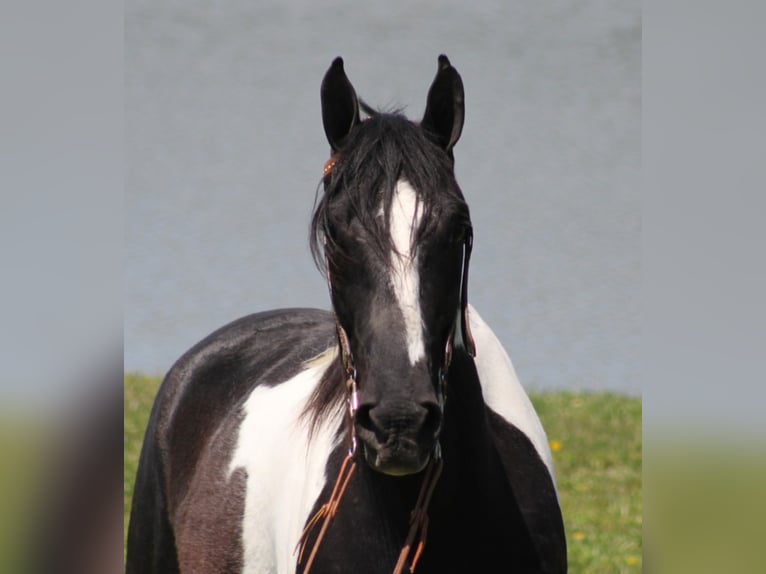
<point>403,383</point>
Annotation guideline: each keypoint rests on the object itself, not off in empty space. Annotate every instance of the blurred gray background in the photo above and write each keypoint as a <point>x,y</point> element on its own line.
<point>224,149</point>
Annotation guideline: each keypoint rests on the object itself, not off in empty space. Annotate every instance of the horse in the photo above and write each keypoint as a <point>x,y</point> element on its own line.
<point>390,434</point>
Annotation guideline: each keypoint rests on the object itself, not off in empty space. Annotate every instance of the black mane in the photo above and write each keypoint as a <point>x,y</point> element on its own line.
<point>379,152</point>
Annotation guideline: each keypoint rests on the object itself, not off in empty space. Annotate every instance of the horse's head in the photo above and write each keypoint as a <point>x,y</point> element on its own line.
<point>394,232</point>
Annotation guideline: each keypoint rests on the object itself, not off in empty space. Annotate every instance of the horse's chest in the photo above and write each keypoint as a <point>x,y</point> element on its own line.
<point>466,547</point>
<point>475,533</point>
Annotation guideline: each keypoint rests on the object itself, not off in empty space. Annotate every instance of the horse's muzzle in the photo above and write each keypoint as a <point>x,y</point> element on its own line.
<point>398,436</point>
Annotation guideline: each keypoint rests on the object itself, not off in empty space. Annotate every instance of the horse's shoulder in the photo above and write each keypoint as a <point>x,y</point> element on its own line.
<point>258,349</point>
<point>209,384</point>
<point>223,413</point>
<point>258,337</point>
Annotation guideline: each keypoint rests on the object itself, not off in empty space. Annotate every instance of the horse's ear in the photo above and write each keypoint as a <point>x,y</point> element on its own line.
<point>445,108</point>
<point>340,106</point>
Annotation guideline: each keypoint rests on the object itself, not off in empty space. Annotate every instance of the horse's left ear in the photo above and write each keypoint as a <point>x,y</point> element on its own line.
<point>340,106</point>
<point>445,108</point>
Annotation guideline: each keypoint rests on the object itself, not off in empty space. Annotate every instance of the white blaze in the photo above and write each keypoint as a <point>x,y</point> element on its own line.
<point>404,219</point>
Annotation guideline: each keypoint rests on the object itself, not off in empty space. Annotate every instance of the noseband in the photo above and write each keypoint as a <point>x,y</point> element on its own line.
<point>419,515</point>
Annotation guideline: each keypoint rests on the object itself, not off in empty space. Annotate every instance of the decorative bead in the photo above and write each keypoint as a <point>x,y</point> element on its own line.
<point>328,166</point>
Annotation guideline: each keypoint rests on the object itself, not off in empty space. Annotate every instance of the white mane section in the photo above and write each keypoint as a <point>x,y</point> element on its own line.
<point>502,390</point>
<point>405,217</point>
<point>284,476</point>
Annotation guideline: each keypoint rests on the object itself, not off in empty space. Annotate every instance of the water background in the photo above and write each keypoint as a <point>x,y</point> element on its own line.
<point>224,150</point>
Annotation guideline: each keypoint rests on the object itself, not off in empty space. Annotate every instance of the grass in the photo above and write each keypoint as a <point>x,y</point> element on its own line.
<point>596,444</point>
<point>706,499</point>
<point>22,477</point>
<point>139,393</point>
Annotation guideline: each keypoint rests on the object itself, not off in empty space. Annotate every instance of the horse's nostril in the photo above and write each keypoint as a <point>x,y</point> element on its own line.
<point>433,419</point>
<point>369,423</point>
<point>363,418</point>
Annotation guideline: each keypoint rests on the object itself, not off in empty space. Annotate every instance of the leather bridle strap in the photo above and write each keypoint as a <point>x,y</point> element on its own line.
<point>419,517</point>
<point>326,512</point>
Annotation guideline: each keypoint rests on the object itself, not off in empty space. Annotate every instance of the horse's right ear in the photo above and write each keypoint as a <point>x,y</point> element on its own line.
<point>340,106</point>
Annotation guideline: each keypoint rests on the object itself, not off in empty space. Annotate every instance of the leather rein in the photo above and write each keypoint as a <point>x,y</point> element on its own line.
<point>419,515</point>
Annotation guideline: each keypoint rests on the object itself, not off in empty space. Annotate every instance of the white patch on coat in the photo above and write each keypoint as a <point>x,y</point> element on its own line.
<point>405,216</point>
<point>502,390</point>
<point>284,476</point>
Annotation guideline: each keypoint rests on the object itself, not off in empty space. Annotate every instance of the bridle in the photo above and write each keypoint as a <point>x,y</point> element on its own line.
<point>460,333</point>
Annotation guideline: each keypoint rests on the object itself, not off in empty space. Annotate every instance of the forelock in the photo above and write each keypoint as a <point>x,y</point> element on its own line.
<point>381,151</point>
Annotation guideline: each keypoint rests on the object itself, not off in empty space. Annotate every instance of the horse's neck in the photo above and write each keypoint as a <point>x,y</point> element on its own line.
<point>467,444</point>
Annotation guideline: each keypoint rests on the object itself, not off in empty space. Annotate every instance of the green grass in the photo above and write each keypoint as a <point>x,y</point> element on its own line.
<point>596,439</point>
<point>23,452</point>
<point>706,499</point>
<point>139,395</point>
<point>596,443</point>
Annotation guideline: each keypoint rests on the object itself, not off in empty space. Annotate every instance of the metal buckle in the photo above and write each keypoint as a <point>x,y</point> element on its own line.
<point>353,397</point>
<point>353,406</point>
